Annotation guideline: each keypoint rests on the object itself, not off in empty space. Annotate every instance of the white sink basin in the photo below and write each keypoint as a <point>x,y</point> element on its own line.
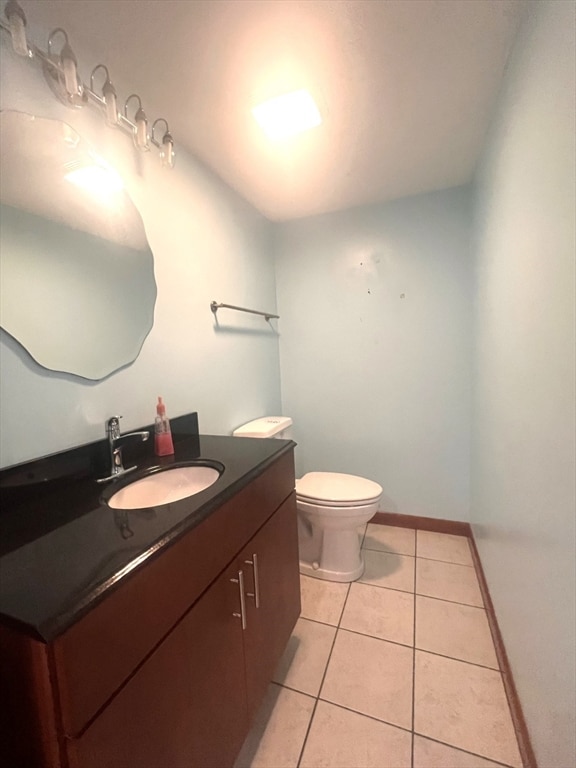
<point>164,487</point>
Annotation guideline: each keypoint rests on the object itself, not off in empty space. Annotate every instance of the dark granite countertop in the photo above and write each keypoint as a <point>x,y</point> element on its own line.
<point>62,547</point>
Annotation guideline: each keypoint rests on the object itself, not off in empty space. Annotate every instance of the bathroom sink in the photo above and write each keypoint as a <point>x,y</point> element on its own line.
<point>163,486</point>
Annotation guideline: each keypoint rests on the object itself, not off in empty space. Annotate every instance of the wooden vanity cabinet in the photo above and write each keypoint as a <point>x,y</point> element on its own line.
<point>162,673</point>
<point>191,703</point>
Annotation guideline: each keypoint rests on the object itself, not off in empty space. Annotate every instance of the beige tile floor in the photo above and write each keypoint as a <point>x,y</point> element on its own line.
<point>396,670</point>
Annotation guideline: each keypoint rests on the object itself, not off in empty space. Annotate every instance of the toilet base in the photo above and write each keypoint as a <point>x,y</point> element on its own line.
<point>308,569</point>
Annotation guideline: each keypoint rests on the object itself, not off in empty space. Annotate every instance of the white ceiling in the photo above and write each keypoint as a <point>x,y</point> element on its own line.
<point>406,88</point>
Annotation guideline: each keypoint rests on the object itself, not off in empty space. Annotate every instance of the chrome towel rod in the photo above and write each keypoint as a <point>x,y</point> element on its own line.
<point>214,306</point>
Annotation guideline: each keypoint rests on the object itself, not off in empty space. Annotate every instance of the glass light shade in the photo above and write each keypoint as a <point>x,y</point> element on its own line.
<point>110,103</point>
<point>17,22</point>
<point>70,67</point>
<point>168,151</point>
<point>287,115</point>
<point>141,135</point>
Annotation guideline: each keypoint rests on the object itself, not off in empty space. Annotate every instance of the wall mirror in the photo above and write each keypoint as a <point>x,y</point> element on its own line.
<point>77,289</point>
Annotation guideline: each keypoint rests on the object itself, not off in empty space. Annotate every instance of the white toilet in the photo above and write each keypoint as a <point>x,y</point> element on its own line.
<point>331,507</point>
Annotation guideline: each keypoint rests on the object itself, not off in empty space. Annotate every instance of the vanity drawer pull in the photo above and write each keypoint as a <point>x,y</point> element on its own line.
<point>256,593</point>
<point>242,614</point>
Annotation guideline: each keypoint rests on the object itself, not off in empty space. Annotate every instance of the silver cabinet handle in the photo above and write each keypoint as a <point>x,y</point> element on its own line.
<point>242,614</point>
<point>256,593</point>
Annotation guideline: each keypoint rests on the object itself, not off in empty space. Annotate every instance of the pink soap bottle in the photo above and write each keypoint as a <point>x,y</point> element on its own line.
<point>163,445</point>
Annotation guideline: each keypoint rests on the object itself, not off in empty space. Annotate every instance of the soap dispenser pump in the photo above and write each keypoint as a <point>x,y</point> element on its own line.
<point>163,445</point>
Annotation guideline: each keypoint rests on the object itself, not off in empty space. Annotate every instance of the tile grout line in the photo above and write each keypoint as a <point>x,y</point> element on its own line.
<point>393,725</point>
<point>422,557</point>
<point>461,749</point>
<point>448,562</point>
<point>453,602</point>
<point>370,584</point>
<point>413,733</point>
<point>453,658</point>
<point>295,690</point>
<point>395,642</point>
<point>317,621</point>
<point>414,653</point>
<point>421,594</point>
<point>370,717</point>
<point>300,756</point>
<point>323,678</point>
<point>338,627</point>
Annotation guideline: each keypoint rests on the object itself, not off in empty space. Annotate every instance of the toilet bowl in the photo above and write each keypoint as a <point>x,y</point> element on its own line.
<point>331,506</point>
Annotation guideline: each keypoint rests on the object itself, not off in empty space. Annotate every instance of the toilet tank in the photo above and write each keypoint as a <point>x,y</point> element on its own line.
<point>267,426</point>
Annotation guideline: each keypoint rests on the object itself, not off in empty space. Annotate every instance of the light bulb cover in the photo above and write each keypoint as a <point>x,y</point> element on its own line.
<point>166,147</point>
<point>287,115</point>
<point>167,150</point>
<point>140,123</point>
<point>110,102</point>
<point>109,95</point>
<point>17,22</point>
<point>69,64</point>
<point>141,135</point>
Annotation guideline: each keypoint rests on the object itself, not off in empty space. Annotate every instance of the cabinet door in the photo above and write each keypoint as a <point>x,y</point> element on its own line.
<point>185,706</point>
<point>275,580</point>
<point>218,717</point>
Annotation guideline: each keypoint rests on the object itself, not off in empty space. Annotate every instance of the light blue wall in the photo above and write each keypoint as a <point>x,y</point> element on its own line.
<point>524,455</point>
<point>208,244</point>
<point>375,347</point>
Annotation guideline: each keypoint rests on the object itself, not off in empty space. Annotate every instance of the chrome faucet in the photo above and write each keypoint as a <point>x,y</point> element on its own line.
<point>115,442</point>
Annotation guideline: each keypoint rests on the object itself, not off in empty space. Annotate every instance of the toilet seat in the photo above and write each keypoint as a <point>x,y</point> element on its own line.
<point>314,508</point>
<point>334,489</point>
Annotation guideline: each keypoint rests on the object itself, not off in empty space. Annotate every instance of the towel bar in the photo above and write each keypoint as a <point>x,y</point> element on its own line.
<point>214,306</point>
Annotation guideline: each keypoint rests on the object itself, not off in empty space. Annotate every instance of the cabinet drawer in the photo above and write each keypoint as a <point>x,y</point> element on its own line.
<point>95,656</point>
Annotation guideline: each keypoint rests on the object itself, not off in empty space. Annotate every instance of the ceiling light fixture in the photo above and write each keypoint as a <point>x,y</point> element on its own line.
<point>287,115</point>
<point>61,72</point>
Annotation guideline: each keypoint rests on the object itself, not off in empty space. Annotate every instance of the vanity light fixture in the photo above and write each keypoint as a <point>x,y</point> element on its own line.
<point>68,63</point>
<point>17,28</point>
<point>140,123</point>
<point>286,115</point>
<point>108,94</point>
<point>167,145</point>
<point>61,72</point>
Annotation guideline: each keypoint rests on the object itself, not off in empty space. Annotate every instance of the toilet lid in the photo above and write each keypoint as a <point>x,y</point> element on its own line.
<point>336,487</point>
